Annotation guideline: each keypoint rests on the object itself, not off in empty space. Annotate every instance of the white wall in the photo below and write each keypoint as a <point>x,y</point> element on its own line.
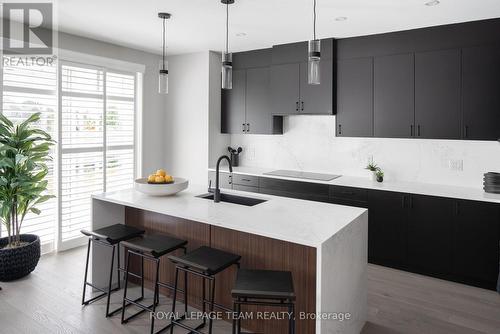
<point>309,144</point>
<point>153,103</point>
<point>186,117</point>
<point>218,141</point>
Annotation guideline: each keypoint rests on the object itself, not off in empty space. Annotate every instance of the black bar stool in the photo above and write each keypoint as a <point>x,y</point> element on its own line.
<point>110,236</point>
<point>265,288</point>
<point>151,248</point>
<point>203,262</point>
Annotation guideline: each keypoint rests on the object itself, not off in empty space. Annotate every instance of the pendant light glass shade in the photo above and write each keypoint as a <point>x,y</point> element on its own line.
<point>227,57</point>
<point>163,73</point>
<point>163,79</point>
<point>227,71</point>
<point>313,71</point>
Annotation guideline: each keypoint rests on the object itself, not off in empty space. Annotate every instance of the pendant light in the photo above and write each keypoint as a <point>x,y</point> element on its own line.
<point>313,71</point>
<point>227,58</point>
<point>163,74</point>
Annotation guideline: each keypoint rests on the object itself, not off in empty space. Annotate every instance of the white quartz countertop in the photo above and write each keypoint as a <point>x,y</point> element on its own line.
<point>303,222</point>
<point>474,194</point>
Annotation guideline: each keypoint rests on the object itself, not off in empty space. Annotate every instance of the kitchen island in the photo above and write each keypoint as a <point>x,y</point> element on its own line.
<point>323,245</point>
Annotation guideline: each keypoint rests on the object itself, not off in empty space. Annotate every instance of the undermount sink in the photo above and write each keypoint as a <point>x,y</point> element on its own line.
<point>247,201</point>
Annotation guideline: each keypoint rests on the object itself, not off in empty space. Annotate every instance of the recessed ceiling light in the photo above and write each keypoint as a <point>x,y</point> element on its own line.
<point>432,3</point>
<point>241,34</point>
<point>341,18</point>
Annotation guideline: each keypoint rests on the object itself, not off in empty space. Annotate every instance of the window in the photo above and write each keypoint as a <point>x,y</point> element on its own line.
<point>27,90</point>
<point>97,140</point>
<point>90,111</point>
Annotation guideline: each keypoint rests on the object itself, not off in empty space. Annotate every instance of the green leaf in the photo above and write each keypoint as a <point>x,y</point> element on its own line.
<point>35,211</point>
<point>32,119</point>
<point>6,121</point>
<point>6,162</point>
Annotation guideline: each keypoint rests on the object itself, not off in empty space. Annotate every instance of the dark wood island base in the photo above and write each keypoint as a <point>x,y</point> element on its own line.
<point>257,252</point>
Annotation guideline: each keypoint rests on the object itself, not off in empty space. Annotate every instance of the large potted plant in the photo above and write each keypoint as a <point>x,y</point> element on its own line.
<point>24,151</point>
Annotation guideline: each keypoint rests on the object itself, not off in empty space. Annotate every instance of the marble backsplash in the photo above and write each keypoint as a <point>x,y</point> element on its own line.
<point>309,144</point>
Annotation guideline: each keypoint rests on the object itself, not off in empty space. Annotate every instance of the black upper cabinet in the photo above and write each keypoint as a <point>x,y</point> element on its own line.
<point>387,228</point>
<point>437,94</point>
<point>450,92</point>
<point>246,108</point>
<point>393,110</point>
<point>285,89</point>
<point>476,241</point>
<point>317,99</point>
<point>291,92</point>
<point>258,107</point>
<point>233,104</point>
<point>429,235</point>
<point>355,97</point>
<point>481,87</point>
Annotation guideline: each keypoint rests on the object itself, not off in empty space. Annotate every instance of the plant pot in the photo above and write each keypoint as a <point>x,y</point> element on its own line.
<point>19,262</point>
<point>380,179</point>
<point>374,176</point>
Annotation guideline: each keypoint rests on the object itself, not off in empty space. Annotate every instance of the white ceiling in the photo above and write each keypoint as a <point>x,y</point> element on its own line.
<point>198,25</point>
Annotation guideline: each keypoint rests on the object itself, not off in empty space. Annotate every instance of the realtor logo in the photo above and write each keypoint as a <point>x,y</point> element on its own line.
<point>27,28</point>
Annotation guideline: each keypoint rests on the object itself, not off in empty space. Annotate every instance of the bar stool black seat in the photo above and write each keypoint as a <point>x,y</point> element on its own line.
<point>152,248</point>
<point>109,236</point>
<point>265,288</point>
<point>203,262</point>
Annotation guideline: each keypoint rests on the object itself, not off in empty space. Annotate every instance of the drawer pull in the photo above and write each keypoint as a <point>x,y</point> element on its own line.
<point>246,180</point>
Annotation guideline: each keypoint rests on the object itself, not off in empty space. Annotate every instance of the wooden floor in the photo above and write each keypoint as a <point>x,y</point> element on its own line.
<point>48,301</point>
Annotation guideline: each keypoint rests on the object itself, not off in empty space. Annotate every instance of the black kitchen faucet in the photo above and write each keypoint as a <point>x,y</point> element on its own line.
<point>217,190</point>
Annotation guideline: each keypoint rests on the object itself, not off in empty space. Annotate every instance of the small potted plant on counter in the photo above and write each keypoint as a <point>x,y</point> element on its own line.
<point>380,175</point>
<point>377,173</point>
<point>373,168</point>
<point>24,151</point>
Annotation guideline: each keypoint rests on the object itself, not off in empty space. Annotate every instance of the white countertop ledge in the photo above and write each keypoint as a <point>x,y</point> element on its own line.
<point>439,190</point>
<point>299,221</point>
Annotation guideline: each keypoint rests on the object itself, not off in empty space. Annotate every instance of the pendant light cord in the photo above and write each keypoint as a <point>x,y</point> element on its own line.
<point>163,43</point>
<point>227,27</point>
<point>314,19</point>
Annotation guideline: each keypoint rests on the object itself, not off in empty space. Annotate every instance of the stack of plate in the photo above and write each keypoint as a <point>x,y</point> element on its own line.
<point>492,182</point>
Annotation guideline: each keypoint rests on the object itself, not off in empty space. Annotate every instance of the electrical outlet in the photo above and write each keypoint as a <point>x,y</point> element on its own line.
<point>456,165</point>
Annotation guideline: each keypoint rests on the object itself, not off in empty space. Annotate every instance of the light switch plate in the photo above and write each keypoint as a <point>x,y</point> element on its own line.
<point>250,153</point>
<point>456,165</point>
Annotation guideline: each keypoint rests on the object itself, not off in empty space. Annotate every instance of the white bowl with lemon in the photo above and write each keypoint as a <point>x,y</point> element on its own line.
<point>160,184</point>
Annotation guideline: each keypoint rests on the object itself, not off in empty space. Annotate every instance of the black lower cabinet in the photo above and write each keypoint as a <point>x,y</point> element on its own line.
<point>476,238</point>
<point>294,189</point>
<point>452,239</point>
<point>387,228</point>
<point>429,235</point>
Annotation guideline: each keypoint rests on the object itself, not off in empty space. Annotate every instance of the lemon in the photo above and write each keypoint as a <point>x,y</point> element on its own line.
<point>159,179</point>
<point>169,178</point>
<point>161,172</point>
<point>151,178</point>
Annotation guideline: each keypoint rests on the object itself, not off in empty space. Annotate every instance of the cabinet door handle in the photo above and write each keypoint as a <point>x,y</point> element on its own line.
<point>297,106</point>
<point>457,208</point>
<point>246,180</point>
<point>466,130</point>
<point>340,129</point>
<point>243,127</point>
<point>411,130</point>
<point>302,106</point>
<point>411,201</point>
<point>403,201</point>
<point>248,127</point>
<point>418,130</point>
